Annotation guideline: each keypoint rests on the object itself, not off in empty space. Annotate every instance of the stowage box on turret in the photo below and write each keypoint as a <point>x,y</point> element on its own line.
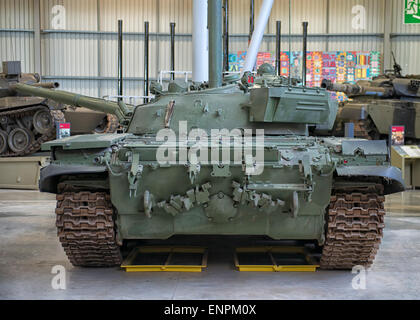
<point>228,159</point>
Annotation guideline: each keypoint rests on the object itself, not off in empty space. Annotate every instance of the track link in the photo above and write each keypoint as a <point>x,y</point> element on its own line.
<point>354,230</point>
<point>86,229</point>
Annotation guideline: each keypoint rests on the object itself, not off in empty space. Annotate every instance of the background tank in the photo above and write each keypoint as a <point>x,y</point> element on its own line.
<point>25,122</point>
<point>376,105</point>
<point>225,159</point>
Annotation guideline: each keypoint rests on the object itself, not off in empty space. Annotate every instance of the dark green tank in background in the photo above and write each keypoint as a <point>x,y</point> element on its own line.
<point>115,188</point>
<point>375,106</point>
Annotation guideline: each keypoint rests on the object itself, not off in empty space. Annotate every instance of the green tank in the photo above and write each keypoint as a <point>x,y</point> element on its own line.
<point>227,158</point>
<point>376,105</point>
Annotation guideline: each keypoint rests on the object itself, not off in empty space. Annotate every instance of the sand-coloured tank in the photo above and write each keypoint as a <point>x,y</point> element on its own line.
<point>225,158</point>
<point>25,122</point>
<point>28,121</point>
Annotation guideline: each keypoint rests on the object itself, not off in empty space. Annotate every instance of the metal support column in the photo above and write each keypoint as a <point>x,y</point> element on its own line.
<point>157,39</point>
<point>200,42</point>
<point>251,19</point>
<point>99,56</point>
<point>305,50</point>
<point>215,43</point>
<point>146,61</point>
<point>172,25</point>
<point>226,35</point>
<point>120,59</point>
<point>327,27</point>
<point>37,38</point>
<point>387,65</point>
<point>278,47</point>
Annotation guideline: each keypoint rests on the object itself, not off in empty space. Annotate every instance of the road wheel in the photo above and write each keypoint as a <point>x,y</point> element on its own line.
<point>3,142</point>
<point>43,122</point>
<point>19,139</point>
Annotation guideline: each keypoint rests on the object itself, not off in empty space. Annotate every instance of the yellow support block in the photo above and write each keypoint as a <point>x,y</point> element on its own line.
<point>310,267</point>
<point>129,265</point>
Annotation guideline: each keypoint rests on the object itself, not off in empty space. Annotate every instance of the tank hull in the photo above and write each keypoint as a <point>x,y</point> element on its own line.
<point>288,200</point>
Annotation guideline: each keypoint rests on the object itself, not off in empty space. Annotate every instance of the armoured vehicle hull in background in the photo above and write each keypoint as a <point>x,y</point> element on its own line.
<point>85,121</point>
<point>377,105</point>
<point>172,173</point>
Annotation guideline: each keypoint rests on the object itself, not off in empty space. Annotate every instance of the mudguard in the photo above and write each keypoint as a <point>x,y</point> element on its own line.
<point>49,175</point>
<point>393,181</point>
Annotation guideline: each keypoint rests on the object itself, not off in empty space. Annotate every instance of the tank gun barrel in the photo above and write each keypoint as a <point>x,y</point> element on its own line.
<point>120,110</point>
<point>357,90</point>
<point>46,85</point>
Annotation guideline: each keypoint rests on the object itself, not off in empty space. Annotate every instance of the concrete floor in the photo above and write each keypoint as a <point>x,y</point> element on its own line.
<point>29,249</point>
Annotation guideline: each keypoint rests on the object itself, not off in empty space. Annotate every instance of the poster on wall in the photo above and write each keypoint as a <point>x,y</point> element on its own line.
<point>351,61</point>
<point>375,64</point>
<point>329,68</point>
<point>264,57</point>
<point>296,65</point>
<point>341,65</point>
<point>233,63</point>
<point>411,11</point>
<point>284,62</point>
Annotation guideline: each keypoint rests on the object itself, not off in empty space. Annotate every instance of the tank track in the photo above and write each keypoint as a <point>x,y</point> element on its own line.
<point>112,124</point>
<point>355,225</point>
<point>86,229</point>
<point>35,146</point>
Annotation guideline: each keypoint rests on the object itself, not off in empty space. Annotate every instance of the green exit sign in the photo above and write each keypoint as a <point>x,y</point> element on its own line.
<point>412,12</point>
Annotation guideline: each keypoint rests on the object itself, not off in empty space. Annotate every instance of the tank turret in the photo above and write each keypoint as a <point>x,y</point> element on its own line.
<point>358,90</point>
<point>396,88</point>
<point>266,68</point>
